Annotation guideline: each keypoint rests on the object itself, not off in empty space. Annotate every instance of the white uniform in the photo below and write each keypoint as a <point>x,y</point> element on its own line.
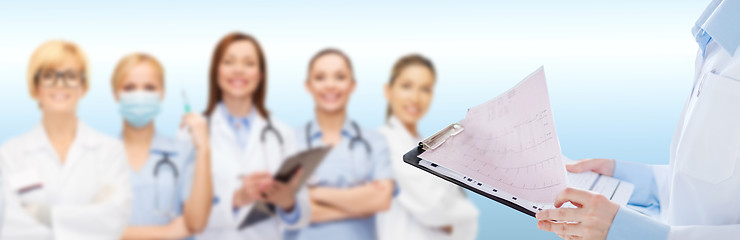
<point>701,186</point>
<point>89,196</point>
<point>425,203</point>
<point>698,192</point>
<point>230,162</point>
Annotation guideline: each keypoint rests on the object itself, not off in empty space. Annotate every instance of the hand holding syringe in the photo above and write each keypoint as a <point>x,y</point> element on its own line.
<point>194,126</point>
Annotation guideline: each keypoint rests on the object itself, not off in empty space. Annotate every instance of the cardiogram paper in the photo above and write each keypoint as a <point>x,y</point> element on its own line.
<point>509,143</point>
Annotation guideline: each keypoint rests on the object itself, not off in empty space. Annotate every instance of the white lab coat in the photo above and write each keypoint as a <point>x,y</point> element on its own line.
<point>699,190</point>
<point>89,196</point>
<point>230,162</point>
<point>424,203</point>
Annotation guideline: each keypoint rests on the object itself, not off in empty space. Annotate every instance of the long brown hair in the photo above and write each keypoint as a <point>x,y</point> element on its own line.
<point>215,94</point>
<point>403,63</point>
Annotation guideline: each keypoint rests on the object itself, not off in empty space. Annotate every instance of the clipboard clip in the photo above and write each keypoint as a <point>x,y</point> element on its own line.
<point>436,140</point>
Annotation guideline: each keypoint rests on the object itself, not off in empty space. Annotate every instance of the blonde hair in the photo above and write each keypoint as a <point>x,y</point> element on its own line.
<point>130,61</point>
<point>52,54</point>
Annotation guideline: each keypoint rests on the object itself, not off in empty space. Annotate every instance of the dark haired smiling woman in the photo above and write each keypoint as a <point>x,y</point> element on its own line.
<point>426,207</point>
<point>248,146</point>
<point>353,182</point>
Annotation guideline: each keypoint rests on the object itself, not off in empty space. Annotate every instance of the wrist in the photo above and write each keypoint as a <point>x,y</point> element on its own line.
<point>171,230</point>
<point>202,152</point>
<point>201,145</point>
<point>287,205</point>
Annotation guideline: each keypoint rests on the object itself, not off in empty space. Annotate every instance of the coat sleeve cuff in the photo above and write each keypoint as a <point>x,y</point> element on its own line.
<point>629,224</point>
<point>292,217</point>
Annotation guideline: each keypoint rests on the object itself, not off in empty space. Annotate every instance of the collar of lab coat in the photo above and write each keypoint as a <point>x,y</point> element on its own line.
<point>720,20</point>
<point>83,136</point>
<point>247,121</point>
<point>220,125</point>
<point>396,126</point>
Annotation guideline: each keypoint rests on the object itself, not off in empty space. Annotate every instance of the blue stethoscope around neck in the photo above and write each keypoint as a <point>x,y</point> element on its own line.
<point>165,162</point>
<point>353,140</point>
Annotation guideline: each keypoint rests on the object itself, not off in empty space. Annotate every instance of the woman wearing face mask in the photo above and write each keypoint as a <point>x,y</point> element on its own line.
<point>426,207</point>
<point>248,147</point>
<point>353,182</point>
<point>171,179</point>
<point>63,180</point>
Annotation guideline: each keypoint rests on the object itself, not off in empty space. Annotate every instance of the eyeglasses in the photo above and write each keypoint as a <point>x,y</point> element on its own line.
<point>69,78</point>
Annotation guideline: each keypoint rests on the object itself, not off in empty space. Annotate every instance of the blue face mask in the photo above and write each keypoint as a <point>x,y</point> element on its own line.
<point>139,107</point>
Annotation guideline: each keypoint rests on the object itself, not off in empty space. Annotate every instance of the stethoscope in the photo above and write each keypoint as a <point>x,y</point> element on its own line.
<point>353,140</point>
<point>267,129</point>
<point>165,161</point>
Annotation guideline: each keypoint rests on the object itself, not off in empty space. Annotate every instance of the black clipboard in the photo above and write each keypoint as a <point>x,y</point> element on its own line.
<point>307,160</point>
<point>412,158</point>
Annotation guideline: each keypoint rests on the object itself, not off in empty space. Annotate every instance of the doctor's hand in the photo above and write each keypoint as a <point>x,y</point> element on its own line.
<point>249,192</point>
<point>601,166</point>
<point>282,194</point>
<point>591,220</point>
<point>198,129</point>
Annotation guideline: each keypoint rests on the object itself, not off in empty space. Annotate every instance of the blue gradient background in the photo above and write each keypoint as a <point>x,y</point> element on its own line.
<point>618,71</point>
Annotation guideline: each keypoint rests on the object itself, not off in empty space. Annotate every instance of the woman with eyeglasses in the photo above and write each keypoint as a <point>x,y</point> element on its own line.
<point>171,178</point>
<point>62,179</point>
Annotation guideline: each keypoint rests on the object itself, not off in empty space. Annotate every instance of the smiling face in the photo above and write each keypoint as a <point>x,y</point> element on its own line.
<point>411,93</point>
<point>239,70</point>
<point>330,82</point>
<point>59,97</point>
<point>141,77</point>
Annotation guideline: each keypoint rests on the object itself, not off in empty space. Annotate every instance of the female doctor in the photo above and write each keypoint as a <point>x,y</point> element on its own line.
<point>426,207</point>
<point>248,146</point>
<point>695,195</point>
<point>354,180</point>
<point>63,180</point>
<point>171,178</point>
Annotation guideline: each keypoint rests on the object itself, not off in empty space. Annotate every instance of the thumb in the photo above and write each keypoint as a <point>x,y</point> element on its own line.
<point>297,177</point>
<point>597,165</point>
<point>574,167</point>
<point>583,166</point>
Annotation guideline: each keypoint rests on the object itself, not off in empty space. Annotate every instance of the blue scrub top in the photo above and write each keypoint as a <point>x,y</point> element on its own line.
<point>171,191</point>
<point>344,168</point>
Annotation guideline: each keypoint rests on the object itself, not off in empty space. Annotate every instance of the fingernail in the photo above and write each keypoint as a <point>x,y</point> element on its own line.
<point>537,215</point>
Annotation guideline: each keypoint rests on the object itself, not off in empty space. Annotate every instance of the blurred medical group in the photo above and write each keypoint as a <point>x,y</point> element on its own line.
<point>64,180</point>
